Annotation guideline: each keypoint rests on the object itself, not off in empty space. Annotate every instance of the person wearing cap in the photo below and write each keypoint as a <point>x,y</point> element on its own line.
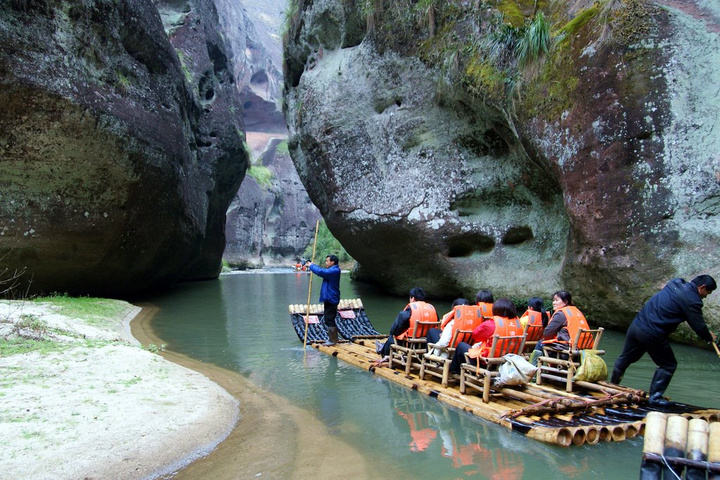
<point>679,301</point>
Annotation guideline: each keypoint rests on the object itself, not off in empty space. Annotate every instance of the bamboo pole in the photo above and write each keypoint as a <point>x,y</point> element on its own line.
<point>714,447</point>
<point>697,440</point>
<point>697,445</point>
<point>675,441</point>
<point>617,433</point>
<point>578,436</point>
<point>592,436</point>
<point>307,312</point>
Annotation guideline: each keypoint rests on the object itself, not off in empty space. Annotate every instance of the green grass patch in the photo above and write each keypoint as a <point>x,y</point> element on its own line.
<point>16,346</point>
<point>95,311</point>
<point>282,148</point>
<point>580,20</point>
<point>327,244</point>
<point>262,175</point>
<point>132,381</point>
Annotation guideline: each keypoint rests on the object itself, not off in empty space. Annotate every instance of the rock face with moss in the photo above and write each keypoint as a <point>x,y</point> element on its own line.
<point>119,151</point>
<point>519,146</point>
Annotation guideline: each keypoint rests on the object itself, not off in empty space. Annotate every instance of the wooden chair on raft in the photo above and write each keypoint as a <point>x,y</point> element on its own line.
<point>533,333</point>
<point>410,350</point>
<point>438,365</point>
<point>561,365</point>
<point>477,373</point>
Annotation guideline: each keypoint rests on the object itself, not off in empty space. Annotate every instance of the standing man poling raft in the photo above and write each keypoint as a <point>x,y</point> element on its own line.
<point>679,301</point>
<point>329,294</point>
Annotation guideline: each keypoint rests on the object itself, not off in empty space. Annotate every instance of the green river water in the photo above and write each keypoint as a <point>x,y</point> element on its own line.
<point>241,323</point>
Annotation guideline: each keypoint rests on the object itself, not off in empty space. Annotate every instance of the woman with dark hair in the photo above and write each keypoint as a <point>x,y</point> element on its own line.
<point>563,325</point>
<point>535,313</point>
<point>484,298</point>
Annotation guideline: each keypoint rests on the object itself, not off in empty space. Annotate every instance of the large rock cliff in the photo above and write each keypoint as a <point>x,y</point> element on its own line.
<point>271,220</point>
<point>445,148</point>
<point>119,151</point>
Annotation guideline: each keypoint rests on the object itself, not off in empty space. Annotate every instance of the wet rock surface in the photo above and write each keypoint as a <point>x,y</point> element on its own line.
<point>120,150</point>
<point>598,176</point>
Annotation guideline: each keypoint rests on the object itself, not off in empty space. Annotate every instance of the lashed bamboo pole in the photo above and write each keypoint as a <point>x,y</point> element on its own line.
<point>714,447</point>
<point>675,440</point>
<point>697,444</point>
<point>307,314</point>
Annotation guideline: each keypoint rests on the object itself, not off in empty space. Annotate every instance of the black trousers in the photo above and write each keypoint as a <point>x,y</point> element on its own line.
<point>330,313</point>
<point>638,342</point>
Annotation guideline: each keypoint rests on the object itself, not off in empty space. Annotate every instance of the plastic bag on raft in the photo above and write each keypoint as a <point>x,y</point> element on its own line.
<point>592,367</point>
<point>515,371</point>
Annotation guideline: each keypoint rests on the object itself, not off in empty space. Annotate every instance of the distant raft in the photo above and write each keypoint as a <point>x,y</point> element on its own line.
<point>351,320</point>
<point>597,412</point>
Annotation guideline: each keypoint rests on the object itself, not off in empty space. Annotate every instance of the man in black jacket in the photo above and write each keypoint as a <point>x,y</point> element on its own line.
<point>679,301</point>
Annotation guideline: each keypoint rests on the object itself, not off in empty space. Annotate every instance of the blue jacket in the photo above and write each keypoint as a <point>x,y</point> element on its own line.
<point>330,289</point>
<point>679,301</point>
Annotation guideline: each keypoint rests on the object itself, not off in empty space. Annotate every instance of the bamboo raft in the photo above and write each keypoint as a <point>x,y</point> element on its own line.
<point>597,412</point>
<point>690,448</point>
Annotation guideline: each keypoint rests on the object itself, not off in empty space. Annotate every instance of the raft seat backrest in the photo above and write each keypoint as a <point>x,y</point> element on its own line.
<point>479,375</point>
<point>533,333</point>
<point>421,329</point>
<point>460,336</point>
<point>561,365</point>
<point>588,339</point>
<point>438,366</point>
<point>415,345</point>
<point>501,346</point>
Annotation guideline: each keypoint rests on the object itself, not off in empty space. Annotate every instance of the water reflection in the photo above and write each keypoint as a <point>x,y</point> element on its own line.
<point>241,322</point>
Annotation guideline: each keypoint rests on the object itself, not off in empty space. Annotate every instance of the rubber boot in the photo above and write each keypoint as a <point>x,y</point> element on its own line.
<point>658,385</point>
<point>616,376</point>
<point>332,337</point>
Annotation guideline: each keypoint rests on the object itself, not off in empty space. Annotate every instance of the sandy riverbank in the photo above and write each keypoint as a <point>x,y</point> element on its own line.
<point>97,405</point>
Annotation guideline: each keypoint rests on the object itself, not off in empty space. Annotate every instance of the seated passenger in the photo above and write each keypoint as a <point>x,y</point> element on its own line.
<point>535,313</point>
<point>416,310</point>
<point>564,324</point>
<point>484,298</point>
<point>441,336</point>
<point>504,322</point>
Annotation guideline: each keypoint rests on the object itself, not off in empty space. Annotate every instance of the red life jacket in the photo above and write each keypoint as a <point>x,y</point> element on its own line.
<point>575,320</point>
<point>420,312</point>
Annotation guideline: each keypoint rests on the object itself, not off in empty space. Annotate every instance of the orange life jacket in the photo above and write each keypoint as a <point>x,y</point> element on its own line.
<point>486,309</point>
<point>505,327</point>
<point>419,312</point>
<point>575,320</point>
<point>534,318</point>
<point>446,318</point>
<point>467,317</point>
